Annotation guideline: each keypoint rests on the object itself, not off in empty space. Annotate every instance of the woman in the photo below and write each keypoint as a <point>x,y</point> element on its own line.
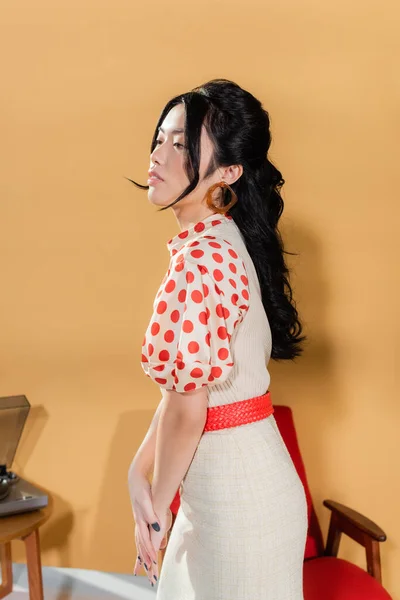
<point>223,309</point>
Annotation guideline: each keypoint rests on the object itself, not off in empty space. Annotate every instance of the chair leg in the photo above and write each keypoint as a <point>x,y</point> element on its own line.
<point>34,564</point>
<point>6,570</point>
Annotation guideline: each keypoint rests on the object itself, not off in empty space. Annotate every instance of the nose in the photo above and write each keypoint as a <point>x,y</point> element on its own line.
<point>158,154</point>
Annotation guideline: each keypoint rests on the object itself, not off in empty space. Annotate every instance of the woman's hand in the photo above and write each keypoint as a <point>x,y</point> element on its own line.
<point>159,538</point>
<point>145,520</point>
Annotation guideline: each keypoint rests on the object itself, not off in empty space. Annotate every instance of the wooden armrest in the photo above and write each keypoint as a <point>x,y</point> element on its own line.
<point>360,529</point>
<point>357,519</point>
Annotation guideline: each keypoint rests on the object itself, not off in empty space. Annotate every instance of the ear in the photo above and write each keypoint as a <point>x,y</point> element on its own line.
<point>231,174</point>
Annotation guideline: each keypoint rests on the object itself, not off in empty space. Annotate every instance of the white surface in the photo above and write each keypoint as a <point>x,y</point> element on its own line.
<point>83,584</point>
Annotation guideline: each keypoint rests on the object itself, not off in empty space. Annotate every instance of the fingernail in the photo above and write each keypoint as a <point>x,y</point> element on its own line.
<point>154,562</point>
<point>156,526</point>
<point>139,558</point>
<point>152,584</point>
<point>145,566</point>
<point>155,577</point>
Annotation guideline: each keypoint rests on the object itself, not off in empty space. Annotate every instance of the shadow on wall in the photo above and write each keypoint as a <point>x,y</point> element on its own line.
<point>55,533</point>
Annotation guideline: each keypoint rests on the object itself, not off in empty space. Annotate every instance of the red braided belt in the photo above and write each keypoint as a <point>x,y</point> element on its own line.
<point>239,413</point>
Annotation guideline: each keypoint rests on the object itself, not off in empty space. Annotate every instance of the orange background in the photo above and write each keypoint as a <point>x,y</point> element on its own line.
<point>83,251</point>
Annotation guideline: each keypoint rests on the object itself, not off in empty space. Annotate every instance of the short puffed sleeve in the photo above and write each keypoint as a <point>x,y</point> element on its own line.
<point>187,343</point>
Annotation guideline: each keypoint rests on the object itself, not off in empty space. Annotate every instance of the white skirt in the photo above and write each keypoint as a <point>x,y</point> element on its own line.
<point>241,528</point>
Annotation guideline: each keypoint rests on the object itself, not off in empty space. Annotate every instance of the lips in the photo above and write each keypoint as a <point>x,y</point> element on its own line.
<point>155,175</point>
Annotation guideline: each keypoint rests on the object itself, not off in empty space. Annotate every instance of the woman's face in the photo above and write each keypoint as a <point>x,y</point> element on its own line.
<point>167,160</point>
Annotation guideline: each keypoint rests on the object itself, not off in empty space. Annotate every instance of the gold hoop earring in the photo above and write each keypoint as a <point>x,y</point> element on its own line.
<point>220,209</point>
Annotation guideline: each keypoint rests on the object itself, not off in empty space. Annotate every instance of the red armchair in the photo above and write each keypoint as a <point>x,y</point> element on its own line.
<point>327,577</point>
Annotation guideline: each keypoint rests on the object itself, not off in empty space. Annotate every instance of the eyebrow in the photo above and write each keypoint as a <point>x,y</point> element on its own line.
<point>173,131</point>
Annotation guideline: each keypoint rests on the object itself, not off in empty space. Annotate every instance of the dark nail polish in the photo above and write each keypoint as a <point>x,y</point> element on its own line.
<point>145,566</point>
<point>152,584</point>
<point>155,577</point>
<point>155,562</point>
<point>139,558</point>
<point>156,527</point>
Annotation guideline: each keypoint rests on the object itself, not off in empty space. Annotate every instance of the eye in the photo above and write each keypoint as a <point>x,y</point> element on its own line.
<point>180,145</point>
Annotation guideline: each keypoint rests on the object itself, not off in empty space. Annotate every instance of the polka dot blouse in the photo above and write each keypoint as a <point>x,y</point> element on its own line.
<point>200,303</point>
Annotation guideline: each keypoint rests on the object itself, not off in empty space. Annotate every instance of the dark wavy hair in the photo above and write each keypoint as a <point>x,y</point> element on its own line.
<point>239,128</point>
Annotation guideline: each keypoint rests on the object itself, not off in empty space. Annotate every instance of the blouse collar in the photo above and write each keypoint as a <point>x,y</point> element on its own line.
<point>197,230</point>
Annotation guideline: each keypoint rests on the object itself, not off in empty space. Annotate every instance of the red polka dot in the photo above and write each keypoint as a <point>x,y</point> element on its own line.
<point>180,365</point>
<point>160,381</point>
<point>245,294</point>
<point>180,258</point>
<point>216,372</point>
<point>189,277</point>
<point>187,326</point>
<point>218,275</point>
<point>144,358</point>
<point>222,333</point>
<point>214,244</point>
<point>159,368</point>
<point>174,251</point>
<point>232,267</point>
<point>169,336</point>
<point>217,257</point>
<point>244,279</point>
<point>223,353</point>
<point>196,372</point>
<point>170,286</point>
<point>203,318</point>
<point>232,253</point>
<point>197,296</point>
<point>208,312</point>
<point>179,267</point>
<point>144,341</point>
<point>155,328</point>
<point>197,253</point>
<point>210,378</point>
<point>216,222</point>
<point>234,299</point>
<point>150,349</point>
<point>222,311</point>
<point>195,243</point>
<point>161,307</point>
<point>199,227</point>
<point>183,234</point>
<point>182,296</point>
<point>202,269</point>
<point>189,386</point>
<point>193,347</point>
<point>179,355</point>
<point>206,291</point>
<point>175,316</point>
<point>207,339</point>
<point>232,282</point>
<point>163,355</point>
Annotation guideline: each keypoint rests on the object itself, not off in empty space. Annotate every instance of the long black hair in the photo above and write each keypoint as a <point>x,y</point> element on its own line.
<point>239,128</point>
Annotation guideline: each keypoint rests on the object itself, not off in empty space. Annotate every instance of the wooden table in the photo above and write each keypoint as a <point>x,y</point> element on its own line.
<point>23,527</point>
